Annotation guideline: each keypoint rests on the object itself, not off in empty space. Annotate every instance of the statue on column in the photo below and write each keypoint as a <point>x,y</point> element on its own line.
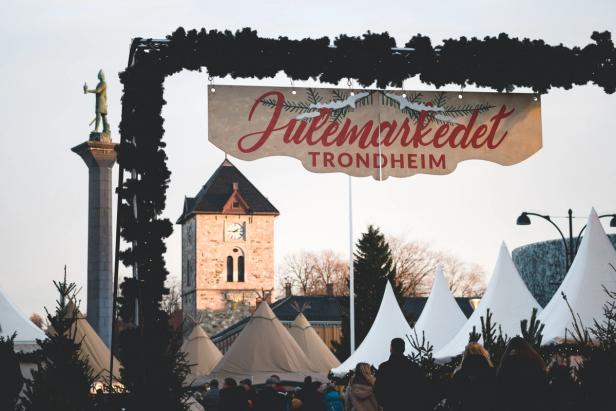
<point>100,109</point>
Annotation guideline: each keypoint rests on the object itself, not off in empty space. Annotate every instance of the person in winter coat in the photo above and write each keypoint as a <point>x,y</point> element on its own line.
<point>269,399</point>
<point>332,399</point>
<point>360,394</point>
<point>521,378</point>
<point>211,399</point>
<point>473,382</point>
<point>232,397</point>
<point>310,396</point>
<point>399,379</point>
<point>251,393</point>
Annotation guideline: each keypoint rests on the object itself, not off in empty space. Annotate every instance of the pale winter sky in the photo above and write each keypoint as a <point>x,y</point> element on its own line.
<point>50,49</point>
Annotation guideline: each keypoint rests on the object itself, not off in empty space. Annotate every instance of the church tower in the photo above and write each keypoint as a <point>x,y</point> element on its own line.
<point>227,243</point>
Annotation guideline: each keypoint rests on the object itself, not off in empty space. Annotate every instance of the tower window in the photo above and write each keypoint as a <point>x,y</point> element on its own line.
<point>229,269</point>
<point>236,204</point>
<point>240,269</point>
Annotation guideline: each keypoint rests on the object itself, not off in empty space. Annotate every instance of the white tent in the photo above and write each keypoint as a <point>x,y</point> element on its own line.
<point>508,299</point>
<point>12,320</point>
<point>264,347</point>
<point>583,285</point>
<point>201,353</point>
<point>320,356</point>
<point>388,324</point>
<point>441,317</point>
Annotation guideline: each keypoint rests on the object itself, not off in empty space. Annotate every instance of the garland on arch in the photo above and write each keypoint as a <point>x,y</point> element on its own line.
<point>500,63</point>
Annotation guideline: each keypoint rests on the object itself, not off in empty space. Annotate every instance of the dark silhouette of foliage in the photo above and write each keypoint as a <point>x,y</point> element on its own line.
<point>532,330</point>
<point>62,379</point>
<point>373,268</point>
<point>11,380</point>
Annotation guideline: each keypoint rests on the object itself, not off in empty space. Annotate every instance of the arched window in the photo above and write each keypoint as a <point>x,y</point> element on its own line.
<point>229,269</point>
<point>240,269</point>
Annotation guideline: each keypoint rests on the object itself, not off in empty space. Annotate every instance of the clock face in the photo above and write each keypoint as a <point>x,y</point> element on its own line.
<point>236,231</point>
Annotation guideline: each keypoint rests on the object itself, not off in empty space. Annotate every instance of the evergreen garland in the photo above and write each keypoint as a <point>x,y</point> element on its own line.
<point>500,63</point>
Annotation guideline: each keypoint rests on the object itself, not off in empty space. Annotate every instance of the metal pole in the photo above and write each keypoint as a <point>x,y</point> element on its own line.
<point>571,251</point>
<point>115,277</point>
<point>351,276</point>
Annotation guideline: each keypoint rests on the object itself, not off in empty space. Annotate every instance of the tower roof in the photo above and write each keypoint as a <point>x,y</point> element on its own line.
<point>226,181</point>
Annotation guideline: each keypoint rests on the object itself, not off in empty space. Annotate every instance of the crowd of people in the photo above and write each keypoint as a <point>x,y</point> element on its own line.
<point>519,382</point>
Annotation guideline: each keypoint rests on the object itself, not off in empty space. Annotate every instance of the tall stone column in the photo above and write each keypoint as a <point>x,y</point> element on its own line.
<point>99,155</point>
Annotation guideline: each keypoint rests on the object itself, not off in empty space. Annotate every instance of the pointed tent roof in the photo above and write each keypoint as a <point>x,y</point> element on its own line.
<point>583,285</point>
<point>508,299</point>
<point>93,349</point>
<point>264,347</point>
<point>220,187</point>
<point>441,317</point>
<point>320,357</point>
<point>388,324</point>
<point>201,353</point>
<point>13,321</point>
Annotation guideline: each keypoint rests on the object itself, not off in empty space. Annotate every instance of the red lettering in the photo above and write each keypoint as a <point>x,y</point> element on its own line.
<point>496,119</point>
<point>271,127</point>
<point>328,159</point>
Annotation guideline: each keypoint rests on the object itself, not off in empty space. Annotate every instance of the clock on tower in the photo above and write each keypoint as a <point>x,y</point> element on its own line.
<point>227,242</point>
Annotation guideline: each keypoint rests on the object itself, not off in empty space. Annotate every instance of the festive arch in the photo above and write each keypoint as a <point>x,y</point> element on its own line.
<point>501,63</point>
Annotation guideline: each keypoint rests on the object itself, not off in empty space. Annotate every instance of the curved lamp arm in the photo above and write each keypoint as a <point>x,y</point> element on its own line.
<point>547,218</point>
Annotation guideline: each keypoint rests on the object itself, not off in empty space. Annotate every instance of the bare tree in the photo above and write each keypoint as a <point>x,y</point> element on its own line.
<point>38,321</point>
<point>309,272</point>
<point>298,270</point>
<point>173,301</point>
<point>331,268</point>
<point>415,261</point>
<point>416,264</point>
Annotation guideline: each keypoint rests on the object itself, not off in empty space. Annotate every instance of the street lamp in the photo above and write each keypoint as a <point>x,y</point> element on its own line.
<point>570,246</point>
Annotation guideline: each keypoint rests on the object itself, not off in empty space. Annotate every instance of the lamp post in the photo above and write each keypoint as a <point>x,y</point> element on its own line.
<point>570,246</point>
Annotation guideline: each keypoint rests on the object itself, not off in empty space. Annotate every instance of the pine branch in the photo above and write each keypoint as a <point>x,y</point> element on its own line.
<point>313,96</point>
<point>289,106</point>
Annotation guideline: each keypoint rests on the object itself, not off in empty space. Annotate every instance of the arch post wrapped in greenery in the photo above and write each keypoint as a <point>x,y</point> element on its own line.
<point>150,351</point>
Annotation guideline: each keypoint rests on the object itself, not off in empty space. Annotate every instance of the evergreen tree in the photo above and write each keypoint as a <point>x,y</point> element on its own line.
<point>62,379</point>
<point>11,380</point>
<point>373,267</point>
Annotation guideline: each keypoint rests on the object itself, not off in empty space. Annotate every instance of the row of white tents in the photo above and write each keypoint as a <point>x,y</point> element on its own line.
<point>265,346</point>
<point>507,298</point>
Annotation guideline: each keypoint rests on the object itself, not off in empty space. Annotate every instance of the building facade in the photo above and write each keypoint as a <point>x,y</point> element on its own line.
<point>227,244</point>
<point>542,266</point>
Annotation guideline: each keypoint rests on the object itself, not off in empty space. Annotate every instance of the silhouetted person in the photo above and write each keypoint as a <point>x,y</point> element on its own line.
<point>211,399</point>
<point>309,396</point>
<point>269,398</point>
<point>251,393</point>
<point>521,378</point>
<point>232,397</point>
<point>400,383</point>
<point>360,394</point>
<point>473,382</point>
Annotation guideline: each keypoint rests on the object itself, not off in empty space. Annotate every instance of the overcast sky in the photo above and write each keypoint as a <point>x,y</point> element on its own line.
<point>50,49</point>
